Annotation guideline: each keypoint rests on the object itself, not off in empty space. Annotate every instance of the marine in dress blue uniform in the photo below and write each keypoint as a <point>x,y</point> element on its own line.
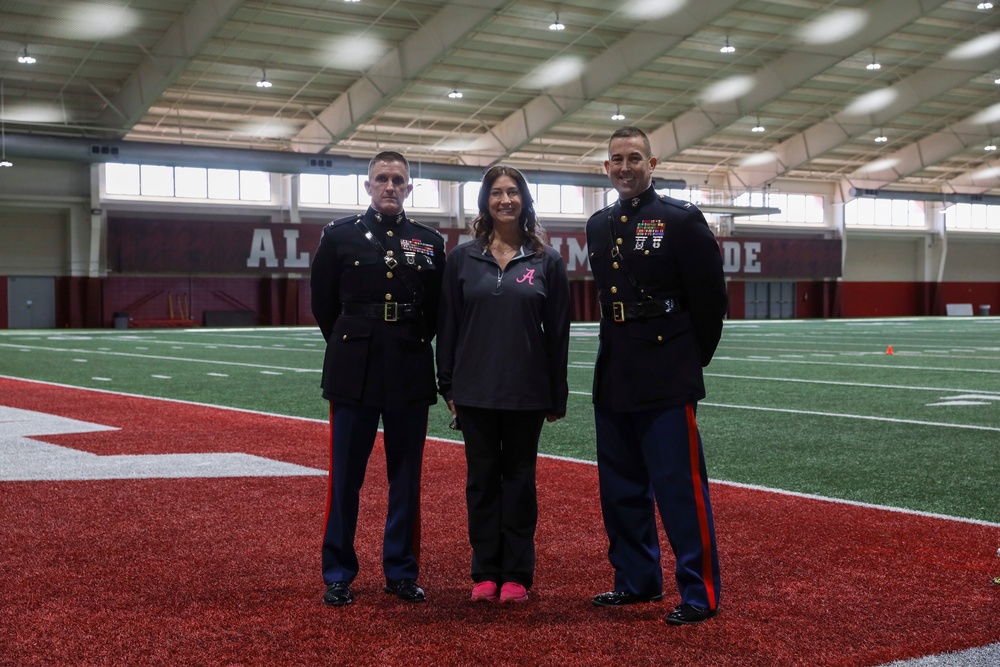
<point>662,291</point>
<point>376,282</point>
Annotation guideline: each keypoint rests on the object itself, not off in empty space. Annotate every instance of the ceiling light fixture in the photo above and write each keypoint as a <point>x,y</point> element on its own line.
<point>990,146</point>
<point>4,162</point>
<point>758,127</point>
<point>984,5</point>
<point>557,25</point>
<point>873,65</point>
<point>455,95</point>
<point>264,83</point>
<point>728,48</point>
<point>881,138</point>
<point>618,115</point>
<point>352,0</point>
<point>25,58</point>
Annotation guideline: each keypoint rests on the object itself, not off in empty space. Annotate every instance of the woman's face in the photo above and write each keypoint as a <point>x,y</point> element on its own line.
<point>505,201</point>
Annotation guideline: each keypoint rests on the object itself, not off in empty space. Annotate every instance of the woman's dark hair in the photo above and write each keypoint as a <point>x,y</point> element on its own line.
<point>482,226</point>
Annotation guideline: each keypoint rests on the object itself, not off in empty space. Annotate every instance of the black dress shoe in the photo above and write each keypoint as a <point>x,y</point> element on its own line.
<point>338,594</point>
<point>686,614</point>
<point>620,598</point>
<point>406,590</point>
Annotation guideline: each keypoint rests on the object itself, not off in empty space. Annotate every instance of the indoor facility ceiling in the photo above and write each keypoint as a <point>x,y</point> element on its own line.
<point>353,77</point>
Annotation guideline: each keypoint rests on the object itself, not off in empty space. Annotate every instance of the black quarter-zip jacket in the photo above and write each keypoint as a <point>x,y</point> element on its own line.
<point>503,335</point>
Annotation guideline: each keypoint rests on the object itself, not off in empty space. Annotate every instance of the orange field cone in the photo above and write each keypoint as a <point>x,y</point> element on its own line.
<point>889,351</point>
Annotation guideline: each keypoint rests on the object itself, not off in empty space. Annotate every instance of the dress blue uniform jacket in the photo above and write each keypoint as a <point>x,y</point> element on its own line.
<point>371,362</point>
<point>666,244</point>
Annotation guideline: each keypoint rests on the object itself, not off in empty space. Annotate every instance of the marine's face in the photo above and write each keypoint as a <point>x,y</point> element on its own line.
<point>388,185</point>
<point>629,166</point>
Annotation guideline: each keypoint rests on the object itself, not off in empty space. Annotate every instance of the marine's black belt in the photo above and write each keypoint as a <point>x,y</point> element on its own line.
<point>621,311</point>
<point>390,311</point>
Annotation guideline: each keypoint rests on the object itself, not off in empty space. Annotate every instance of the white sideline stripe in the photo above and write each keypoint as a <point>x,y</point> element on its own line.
<point>950,369</point>
<point>982,656</point>
<point>842,415</point>
<point>160,398</point>
<point>159,358</point>
<point>815,413</point>
<point>887,508</point>
<point>808,496</point>
<point>855,384</point>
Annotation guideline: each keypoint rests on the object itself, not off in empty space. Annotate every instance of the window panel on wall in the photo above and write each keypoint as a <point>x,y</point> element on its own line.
<point>362,192</point>
<point>314,189</point>
<point>814,209</point>
<point>993,217</point>
<point>883,212</point>
<point>571,198</point>
<point>223,184</point>
<point>548,199</point>
<point>470,196</point>
<point>426,193</point>
<point>191,182</point>
<point>121,179</point>
<point>345,190</point>
<point>156,181</point>
<point>978,216</point>
<point>255,186</point>
<point>795,208</point>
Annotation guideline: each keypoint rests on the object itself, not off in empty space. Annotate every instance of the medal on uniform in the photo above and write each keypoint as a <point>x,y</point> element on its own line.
<point>412,247</point>
<point>655,228</point>
<point>648,228</point>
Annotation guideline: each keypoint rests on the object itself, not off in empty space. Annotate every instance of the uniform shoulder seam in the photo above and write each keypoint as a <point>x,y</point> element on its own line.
<point>420,224</point>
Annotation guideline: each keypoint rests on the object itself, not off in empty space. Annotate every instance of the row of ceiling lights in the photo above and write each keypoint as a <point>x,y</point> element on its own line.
<point>25,58</point>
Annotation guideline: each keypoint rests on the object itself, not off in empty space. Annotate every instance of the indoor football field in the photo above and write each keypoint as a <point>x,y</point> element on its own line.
<point>162,495</point>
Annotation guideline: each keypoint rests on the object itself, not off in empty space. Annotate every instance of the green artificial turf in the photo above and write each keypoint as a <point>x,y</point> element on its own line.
<point>815,406</point>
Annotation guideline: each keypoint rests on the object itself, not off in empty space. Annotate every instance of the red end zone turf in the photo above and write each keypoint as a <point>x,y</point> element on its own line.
<point>225,571</point>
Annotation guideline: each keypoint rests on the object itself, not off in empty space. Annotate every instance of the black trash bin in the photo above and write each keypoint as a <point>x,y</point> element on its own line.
<point>984,309</point>
<point>121,320</point>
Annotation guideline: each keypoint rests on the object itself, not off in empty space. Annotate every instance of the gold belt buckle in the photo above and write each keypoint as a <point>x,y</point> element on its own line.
<point>391,312</point>
<point>618,311</point>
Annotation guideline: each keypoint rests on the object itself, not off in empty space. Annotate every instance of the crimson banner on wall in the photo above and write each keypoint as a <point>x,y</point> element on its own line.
<point>199,246</point>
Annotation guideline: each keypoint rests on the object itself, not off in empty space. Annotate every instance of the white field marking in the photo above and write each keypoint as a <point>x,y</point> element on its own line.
<point>101,379</point>
<point>870,385</point>
<point>185,359</point>
<point>218,375</point>
<point>80,361</point>
<point>844,363</point>
<point>23,458</point>
<point>951,403</point>
<point>980,656</point>
<point>162,377</point>
<point>271,373</point>
<point>975,396</point>
<point>843,415</point>
<point>181,344</point>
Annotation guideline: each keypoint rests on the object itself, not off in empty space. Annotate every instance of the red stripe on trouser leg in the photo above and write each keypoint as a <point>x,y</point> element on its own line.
<point>416,524</point>
<point>329,479</point>
<point>699,497</point>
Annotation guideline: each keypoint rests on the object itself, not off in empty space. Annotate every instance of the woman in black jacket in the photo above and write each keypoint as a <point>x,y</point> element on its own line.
<point>503,340</point>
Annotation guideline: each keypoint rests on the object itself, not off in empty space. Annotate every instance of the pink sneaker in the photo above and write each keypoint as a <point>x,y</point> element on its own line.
<point>484,591</point>
<point>513,592</point>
